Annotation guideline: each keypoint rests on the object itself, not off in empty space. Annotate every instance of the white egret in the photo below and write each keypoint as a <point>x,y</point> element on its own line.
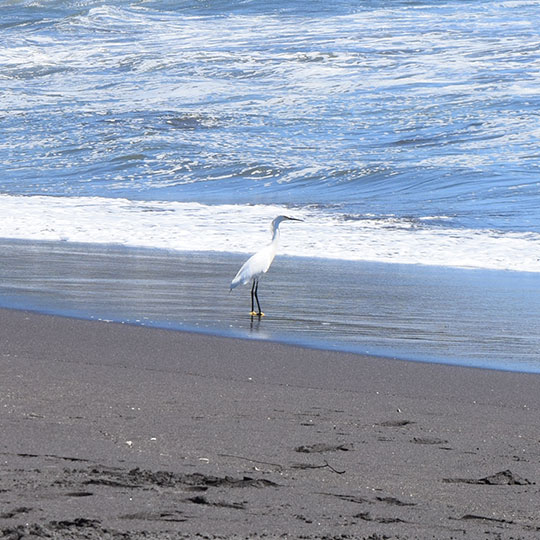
<point>258,264</point>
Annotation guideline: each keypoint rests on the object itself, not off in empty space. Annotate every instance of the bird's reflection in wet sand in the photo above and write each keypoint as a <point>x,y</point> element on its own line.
<point>255,323</point>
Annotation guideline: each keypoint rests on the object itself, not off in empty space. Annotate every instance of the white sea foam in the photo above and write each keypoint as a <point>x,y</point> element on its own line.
<point>245,228</point>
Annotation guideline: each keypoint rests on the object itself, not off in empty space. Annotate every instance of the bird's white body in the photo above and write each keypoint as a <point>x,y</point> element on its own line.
<point>258,264</point>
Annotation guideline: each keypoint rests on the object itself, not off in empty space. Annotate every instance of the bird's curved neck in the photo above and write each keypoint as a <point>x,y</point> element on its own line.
<point>275,235</point>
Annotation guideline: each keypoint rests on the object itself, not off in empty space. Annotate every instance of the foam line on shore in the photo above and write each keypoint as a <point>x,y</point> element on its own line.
<point>245,228</point>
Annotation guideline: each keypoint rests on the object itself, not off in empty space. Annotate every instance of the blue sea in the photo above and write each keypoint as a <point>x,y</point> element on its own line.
<point>402,132</point>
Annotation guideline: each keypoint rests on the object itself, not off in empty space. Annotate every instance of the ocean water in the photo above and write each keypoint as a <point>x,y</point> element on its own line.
<point>400,131</point>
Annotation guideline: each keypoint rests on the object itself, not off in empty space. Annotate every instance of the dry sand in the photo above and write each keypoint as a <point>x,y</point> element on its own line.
<point>116,431</point>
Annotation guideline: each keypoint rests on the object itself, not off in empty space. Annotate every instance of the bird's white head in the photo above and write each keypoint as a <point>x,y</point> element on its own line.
<point>279,219</point>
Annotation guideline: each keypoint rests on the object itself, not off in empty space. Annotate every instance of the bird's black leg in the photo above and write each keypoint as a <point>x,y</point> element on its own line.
<point>252,295</point>
<point>259,313</point>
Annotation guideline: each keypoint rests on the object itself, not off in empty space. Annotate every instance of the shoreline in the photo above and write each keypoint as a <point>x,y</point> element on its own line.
<point>119,431</point>
<point>429,314</point>
<point>290,341</point>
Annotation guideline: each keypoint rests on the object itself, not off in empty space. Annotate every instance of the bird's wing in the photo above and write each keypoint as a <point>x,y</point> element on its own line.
<point>255,266</point>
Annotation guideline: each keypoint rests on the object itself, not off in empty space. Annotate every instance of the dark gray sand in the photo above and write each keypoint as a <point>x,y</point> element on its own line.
<point>117,431</point>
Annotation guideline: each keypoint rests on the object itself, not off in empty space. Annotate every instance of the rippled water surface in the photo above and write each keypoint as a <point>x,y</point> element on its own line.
<point>389,107</point>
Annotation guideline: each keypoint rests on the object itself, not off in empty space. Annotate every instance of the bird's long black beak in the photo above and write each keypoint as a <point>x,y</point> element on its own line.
<point>294,218</point>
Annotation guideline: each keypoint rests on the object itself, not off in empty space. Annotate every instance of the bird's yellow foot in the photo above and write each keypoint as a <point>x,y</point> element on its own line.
<point>253,313</point>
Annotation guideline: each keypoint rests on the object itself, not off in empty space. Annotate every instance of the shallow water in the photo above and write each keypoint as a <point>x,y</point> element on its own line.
<point>468,317</point>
